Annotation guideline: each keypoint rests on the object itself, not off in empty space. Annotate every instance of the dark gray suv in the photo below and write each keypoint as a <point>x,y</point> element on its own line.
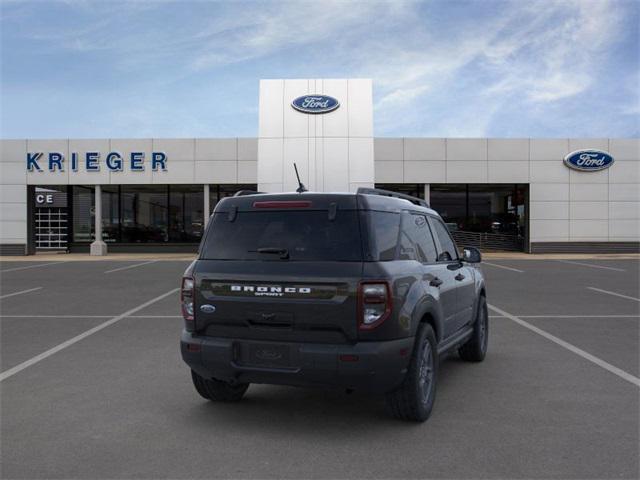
<point>359,291</point>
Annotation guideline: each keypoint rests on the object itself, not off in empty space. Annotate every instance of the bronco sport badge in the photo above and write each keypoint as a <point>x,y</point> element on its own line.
<point>268,291</point>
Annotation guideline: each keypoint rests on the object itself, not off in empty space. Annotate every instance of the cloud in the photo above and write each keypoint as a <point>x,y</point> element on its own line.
<point>277,26</point>
<point>546,52</point>
<point>554,58</point>
<point>439,68</point>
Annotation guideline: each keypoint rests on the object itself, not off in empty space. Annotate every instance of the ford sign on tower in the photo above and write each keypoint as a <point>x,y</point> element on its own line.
<point>315,104</point>
<point>588,160</point>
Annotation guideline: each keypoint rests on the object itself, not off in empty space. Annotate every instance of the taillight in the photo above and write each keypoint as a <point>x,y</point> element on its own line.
<point>186,302</point>
<point>374,302</point>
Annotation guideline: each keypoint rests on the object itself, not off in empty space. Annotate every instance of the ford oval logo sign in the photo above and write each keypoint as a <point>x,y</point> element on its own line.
<point>315,104</point>
<point>588,160</point>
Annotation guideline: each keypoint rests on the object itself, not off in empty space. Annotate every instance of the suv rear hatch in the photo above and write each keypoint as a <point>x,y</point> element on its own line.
<point>282,268</point>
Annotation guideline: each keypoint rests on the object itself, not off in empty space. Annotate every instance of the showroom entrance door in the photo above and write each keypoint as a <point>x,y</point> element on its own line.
<point>51,220</point>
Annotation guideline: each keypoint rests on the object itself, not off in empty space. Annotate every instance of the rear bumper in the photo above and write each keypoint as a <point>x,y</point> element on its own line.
<point>369,366</point>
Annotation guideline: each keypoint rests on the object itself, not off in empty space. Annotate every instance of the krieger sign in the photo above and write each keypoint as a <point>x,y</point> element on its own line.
<point>91,161</point>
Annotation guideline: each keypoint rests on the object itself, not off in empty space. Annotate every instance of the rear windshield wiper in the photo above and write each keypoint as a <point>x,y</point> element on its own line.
<point>283,252</point>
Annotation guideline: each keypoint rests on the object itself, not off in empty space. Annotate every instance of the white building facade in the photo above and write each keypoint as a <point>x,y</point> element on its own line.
<point>157,194</point>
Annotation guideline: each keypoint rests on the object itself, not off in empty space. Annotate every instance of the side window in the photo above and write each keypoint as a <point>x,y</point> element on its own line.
<point>449,250</point>
<point>416,242</point>
<point>425,239</point>
<point>407,246</point>
<point>385,226</point>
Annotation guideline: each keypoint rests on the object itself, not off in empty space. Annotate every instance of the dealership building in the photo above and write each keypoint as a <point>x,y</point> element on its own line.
<point>156,194</point>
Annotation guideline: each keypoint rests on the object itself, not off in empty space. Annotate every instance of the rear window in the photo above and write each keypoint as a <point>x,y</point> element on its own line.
<point>303,235</point>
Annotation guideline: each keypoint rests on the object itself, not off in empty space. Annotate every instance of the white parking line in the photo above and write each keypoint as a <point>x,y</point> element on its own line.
<point>33,266</point>
<point>20,292</point>
<point>88,316</point>
<point>613,293</point>
<point>502,266</point>
<point>57,316</point>
<point>572,348</point>
<point>592,266</point>
<point>563,316</point>
<point>578,316</point>
<point>130,266</point>
<point>18,368</point>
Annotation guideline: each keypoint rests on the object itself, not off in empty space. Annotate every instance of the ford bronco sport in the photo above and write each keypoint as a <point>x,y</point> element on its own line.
<point>359,291</point>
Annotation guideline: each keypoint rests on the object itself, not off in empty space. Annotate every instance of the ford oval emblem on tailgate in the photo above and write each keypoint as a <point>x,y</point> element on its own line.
<point>206,308</point>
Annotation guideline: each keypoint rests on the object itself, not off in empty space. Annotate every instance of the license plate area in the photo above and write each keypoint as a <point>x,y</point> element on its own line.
<point>266,355</point>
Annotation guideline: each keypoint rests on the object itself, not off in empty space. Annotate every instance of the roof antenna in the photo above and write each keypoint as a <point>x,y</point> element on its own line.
<point>301,188</point>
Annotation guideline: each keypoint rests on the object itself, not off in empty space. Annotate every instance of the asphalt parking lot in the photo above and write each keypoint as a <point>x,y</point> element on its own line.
<point>92,386</point>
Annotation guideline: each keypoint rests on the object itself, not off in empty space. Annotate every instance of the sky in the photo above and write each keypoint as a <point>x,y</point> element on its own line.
<point>93,69</point>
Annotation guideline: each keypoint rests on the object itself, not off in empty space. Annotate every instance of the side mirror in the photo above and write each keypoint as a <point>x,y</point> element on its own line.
<point>471,255</point>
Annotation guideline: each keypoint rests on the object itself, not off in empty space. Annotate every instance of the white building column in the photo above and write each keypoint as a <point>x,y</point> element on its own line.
<point>205,210</point>
<point>98,247</point>
<point>427,193</point>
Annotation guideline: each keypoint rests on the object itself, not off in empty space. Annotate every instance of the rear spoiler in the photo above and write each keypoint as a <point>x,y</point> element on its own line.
<point>242,193</point>
<point>388,193</point>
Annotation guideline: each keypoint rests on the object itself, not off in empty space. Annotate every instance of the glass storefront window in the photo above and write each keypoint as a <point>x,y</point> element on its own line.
<point>492,208</point>
<point>83,200</point>
<point>110,214</point>
<point>492,216</point>
<point>186,210</point>
<point>450,201</point>
<point>144,213</point>
<point>218,192</point>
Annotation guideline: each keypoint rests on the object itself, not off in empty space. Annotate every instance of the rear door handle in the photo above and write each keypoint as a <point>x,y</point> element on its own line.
<point>435,282</point>
<point>459,277</point>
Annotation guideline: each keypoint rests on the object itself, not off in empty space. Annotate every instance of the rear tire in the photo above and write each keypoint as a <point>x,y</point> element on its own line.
<point>476,347</point>
<point>217,390</point>
<point>414,399</point>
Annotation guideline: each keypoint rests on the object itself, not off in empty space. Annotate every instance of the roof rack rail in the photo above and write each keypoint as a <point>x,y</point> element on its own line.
<point>388,193</point>
<point>242,193</point>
